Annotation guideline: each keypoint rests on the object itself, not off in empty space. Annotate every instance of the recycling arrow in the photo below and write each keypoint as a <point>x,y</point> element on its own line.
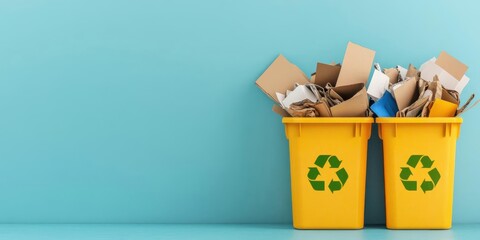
<point>413,160</point>
<point>342,175</point>
<point>434,175</point>
<point>427,184</point>
<point>318,185</point>
<point>426,162</point>
<point>313,173</point>
<point>321,160</point>
<point>410,185</point>
<point>405,173</point>
<point>334,163</point>
<point>334,186</point>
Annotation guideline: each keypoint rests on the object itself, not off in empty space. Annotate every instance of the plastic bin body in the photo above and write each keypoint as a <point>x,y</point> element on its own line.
<point>347,140</point>
<point>428,203</point>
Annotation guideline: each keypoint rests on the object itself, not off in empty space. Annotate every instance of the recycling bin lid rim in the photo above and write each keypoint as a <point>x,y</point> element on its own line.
<point>419,120</point>
<point>327,120</point>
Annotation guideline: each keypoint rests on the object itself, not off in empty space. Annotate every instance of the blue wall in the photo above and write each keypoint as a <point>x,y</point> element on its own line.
<point>147,111</point>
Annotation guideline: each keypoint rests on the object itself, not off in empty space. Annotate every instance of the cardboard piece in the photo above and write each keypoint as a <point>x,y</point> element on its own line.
<point>450,64</point>
<point>304,108</point>
<point>406,93</point>
<point>326,73</point>
<point>411,72</point>
<point>355,100</point>
<point>434,89</point>
<point>431,68</point>
<point>415,109</point>
<point>402,71</point>
<point>280,111</point>
<point>442,108</point>
<point>323,109</point>
<point>356,66</point>
<point>450,96</point>
<point>317,92</point>
<point>279,77</point>
<point>385,106</point>
<point>392,74</point>
<point>378,85</point>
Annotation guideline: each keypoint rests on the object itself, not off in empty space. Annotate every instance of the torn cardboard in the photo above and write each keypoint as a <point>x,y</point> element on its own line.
<point>449,70</point>
<point>280,111</point>
<point>356,66</point>
<point>303,108</point>
<point>406,92</point>
<point>326,74</point>
<point>323,109</point>
<point>413,110</point>
<point>279,77</point>
<point>355,100</point>
<point>393,75</point>
<point>450,64</point>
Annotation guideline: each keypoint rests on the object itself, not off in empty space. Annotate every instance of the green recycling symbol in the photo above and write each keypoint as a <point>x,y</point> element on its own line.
<point>427,185</point>
<point>314,172</point>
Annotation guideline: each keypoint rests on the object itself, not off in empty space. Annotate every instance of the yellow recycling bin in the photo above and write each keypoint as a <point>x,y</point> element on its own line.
<point>328,159</point>
<point>419,163</point>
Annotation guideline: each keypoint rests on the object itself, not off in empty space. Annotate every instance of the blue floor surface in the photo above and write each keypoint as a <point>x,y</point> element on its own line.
<point>221,231</point>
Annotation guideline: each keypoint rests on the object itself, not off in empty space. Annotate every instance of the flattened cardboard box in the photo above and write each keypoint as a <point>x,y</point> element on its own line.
<point>279,77</point>
<point>356,66</point>
<point>450,64</point>
<point>449,70</point>
<point>282,75</point>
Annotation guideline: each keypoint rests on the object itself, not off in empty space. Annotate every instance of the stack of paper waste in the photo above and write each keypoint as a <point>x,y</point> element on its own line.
<point>334,90</point>
<point>338,90</point>
<point>431,91</point>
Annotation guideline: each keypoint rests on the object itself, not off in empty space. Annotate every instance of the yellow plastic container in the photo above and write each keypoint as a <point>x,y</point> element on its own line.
<point>328,159</point>
<point>419,163</point>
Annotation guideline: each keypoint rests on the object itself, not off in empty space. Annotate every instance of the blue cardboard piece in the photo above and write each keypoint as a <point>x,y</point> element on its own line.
<point>386,106</point>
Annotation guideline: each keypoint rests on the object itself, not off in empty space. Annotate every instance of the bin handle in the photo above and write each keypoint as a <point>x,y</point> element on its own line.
<point>357,130</point>
<point>448,130</point>
<point>299,130</point>
<point>288,129</point>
